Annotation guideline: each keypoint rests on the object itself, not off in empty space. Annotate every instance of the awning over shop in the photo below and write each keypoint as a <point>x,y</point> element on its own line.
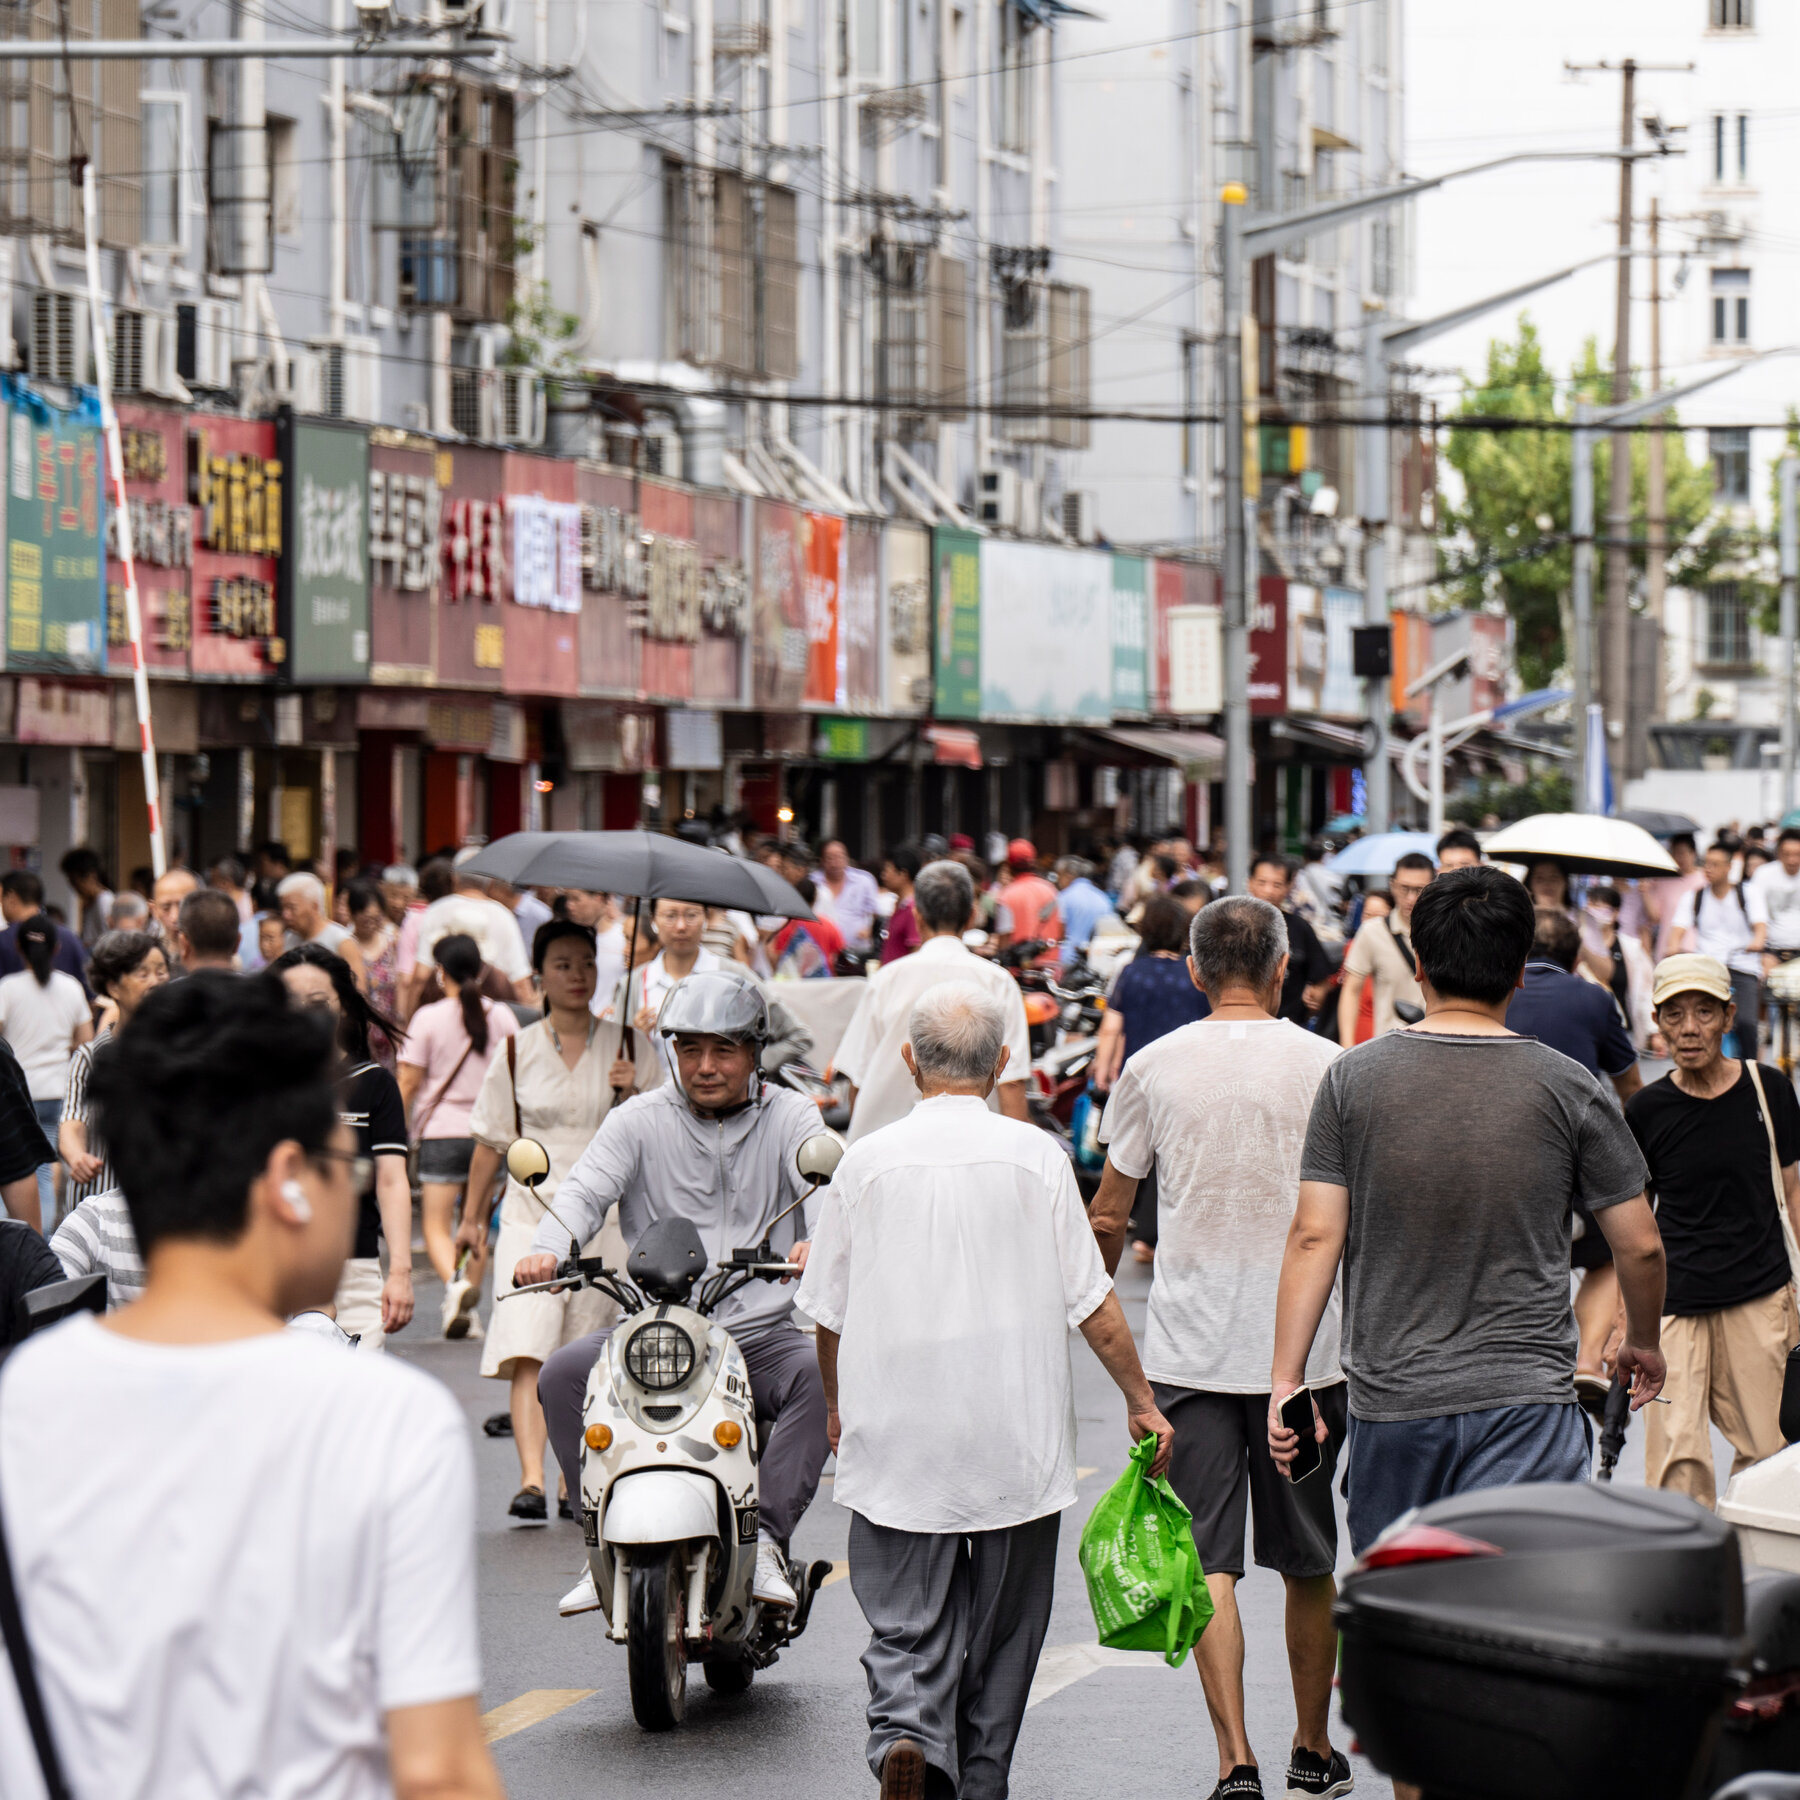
<point>1344,741</point>
<point>1198,754</point>
<point>954,745</point>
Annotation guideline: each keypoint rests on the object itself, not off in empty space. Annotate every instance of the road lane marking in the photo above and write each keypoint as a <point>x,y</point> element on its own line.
<point>530,1709</point>
<point>838,1571</point>
<point>1065,1664</point>
<point>1082,1474</point>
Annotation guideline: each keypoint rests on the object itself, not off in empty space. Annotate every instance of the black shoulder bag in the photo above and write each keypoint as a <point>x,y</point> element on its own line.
<point>31,1697</point>
<point>1404,1010</point>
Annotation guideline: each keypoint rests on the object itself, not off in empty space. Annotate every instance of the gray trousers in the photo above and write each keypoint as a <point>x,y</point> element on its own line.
<point>955,1627</point>
<point>783,1366</point>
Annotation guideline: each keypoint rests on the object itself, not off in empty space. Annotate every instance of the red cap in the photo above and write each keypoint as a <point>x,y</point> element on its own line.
<point>1021,850</point>
<point>960,840</point>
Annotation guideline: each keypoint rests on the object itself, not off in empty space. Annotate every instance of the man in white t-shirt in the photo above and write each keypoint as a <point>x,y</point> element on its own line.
<point>467,908</point>
<point>244,1558</point>
<point>1719,920</point>
<point>948,1243</point>
<point>600,914</point>
<point>302,898</point>
<point>1772,899</point>
<point>869,1056</point>
<point>1218,1112</point>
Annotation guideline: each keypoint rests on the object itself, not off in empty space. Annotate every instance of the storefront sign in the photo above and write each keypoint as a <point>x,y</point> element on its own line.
<point>823,535</point>
<point>1306,648</point>
<point>546,552</point>
<point>694,738</point>
<point>474,549</point>
<point>676,593</point>
<point>325,575</point>
<point>782,654</point>
<point>1196,660</point>
<point>1046,634</point>
<point>859,614</point>
<point>1342,697</point>
<point>956,586</point>
<point>55,589</point>
<point>1269,648</point>
<point>406,503</point>
<point>235,484</point>
<point>59,712</point>
<point>403,530</point>
<point>615,740</point>
<point>844,740</point>
<point>1130,635</point>
<point>162,543</point>
<point>906,581</point>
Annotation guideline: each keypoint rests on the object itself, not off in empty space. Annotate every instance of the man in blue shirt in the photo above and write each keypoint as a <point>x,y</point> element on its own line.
<point>21,896</point>
<point>1082,904</point>
<point>1581,1019</point>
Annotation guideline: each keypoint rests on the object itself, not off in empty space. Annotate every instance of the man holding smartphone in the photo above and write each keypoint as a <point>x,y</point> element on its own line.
<point>1219,1109</point>
<point>1443,1164</point>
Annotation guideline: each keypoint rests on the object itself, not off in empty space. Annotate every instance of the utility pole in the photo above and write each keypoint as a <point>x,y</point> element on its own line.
<point>1790,580</point>
<point>1657,525</point>
<point>1237,617</point>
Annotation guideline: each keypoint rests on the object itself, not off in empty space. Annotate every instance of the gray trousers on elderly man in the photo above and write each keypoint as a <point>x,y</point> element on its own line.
<point>956,1622</point>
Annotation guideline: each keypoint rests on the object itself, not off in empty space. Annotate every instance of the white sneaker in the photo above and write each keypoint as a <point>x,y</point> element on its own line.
<point>583,1597</point>
<point>771,1585</point>
<point>460,1299</point>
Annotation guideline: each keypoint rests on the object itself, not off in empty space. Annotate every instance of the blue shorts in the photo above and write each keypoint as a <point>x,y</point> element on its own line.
<point>1399,1464</point>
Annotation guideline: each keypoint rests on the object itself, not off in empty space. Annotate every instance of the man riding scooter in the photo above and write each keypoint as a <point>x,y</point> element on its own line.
<point>717,1147</point>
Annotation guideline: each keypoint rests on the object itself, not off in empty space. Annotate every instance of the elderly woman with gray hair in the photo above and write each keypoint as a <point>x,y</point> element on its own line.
<point>950,1241</point>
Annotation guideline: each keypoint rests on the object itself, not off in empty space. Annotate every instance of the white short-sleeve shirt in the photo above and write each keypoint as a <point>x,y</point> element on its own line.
<point>953,1258</point>
<point>1220,1109</point>
<point>869,1055</point>
<point>233,1559</point>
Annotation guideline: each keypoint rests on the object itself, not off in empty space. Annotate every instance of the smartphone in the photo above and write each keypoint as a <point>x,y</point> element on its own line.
<point>1297,1416</point>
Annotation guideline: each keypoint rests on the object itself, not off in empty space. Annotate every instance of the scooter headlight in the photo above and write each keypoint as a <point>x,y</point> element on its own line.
<point>659,1356</point>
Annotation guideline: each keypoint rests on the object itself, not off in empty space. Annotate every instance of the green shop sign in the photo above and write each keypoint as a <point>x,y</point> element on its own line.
<point>844,740</point>
<point>55,510</point>
<point>325,570</point>
<point>956,637</point>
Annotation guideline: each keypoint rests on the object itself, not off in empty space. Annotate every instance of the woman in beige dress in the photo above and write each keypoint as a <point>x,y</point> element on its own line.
<point>555,1081</point>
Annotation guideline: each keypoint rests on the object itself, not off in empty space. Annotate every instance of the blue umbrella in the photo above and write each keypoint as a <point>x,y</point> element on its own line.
<point>1377,855</point>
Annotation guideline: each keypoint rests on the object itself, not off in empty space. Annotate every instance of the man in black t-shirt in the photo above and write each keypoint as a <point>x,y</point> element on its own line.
<point>1309,968</point>
<point>1729,1316</point>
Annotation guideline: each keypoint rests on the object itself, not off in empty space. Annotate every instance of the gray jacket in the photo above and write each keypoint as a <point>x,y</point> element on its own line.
<point>657,1159</point>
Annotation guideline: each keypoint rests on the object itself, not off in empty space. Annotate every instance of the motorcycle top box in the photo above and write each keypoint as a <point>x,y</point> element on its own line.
<point>1563,1642</point>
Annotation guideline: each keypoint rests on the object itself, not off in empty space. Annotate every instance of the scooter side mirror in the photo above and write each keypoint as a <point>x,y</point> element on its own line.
<point>528,1162</point>
<point>817,1159</point>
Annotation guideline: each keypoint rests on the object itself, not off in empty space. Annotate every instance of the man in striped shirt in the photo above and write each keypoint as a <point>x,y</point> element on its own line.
<point>97,1239</point>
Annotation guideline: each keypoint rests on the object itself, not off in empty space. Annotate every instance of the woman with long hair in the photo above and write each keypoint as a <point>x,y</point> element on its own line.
<point>448,1047</point>
<point>126,967</point>
<point>367,1306</point>
<point>378,939</point>
<point>44,1016</point>
<point>555,1081</point>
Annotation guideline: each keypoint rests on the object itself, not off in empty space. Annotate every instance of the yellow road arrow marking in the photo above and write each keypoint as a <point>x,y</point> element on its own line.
<point>529,1709</point>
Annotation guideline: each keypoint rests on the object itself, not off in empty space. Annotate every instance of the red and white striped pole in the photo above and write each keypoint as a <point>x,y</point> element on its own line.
<point>115,459</point>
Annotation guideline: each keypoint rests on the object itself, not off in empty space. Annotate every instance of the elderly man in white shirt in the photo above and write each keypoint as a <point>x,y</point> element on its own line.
<point>951,1262</point>
<point>869,1056</point>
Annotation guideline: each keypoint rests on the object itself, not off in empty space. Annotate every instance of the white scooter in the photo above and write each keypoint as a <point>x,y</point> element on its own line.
<point>668,1467</point>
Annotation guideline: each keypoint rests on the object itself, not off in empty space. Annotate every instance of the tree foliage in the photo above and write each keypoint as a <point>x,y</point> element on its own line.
<point>1508,538</point>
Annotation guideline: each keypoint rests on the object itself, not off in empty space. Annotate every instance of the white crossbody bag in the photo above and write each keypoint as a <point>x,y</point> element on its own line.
<point>1781,1206</point>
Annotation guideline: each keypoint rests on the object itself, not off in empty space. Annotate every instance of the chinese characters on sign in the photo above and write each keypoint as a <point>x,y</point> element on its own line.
<point>162,531</point>
<point>325,578</point>
<point>243,607</point>
<point>55,591</point>
<point>546,553</point>
<point>403,530</point>
<point>673,595</point>
<point>238,497</point>
<point>146,454</point>
<point>167,611</point>
<point>474,549</point>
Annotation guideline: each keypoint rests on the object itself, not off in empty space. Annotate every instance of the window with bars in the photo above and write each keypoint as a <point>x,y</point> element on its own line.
<point>1014,117</point>
<point>1727,626</point>
<point>1044,363</point>
<point>1731,306</point>
<point>36,107</point>
<point>1730,148</point>
<point>1731,15</point>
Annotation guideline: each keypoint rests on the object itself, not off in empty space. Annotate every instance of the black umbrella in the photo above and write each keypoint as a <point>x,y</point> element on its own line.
<point>1663,824</point>
<point>645,864</point>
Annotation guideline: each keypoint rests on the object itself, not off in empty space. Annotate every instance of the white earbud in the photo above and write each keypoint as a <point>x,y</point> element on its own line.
<point>295,1195</point>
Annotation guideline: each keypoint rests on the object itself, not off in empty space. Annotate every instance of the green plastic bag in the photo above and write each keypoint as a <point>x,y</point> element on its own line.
<point>1144,1578</point>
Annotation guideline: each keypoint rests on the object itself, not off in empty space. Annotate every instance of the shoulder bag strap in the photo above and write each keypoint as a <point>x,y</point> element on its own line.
<point>512,1069</point>
<point>424,1117</point>
<point>1781,1210</point>
<point>31,1698</point>
<point>1405,949</point>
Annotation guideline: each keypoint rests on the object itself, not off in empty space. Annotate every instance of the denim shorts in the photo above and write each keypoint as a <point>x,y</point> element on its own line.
<point>1395,1465</point>
<point>444,1160</point>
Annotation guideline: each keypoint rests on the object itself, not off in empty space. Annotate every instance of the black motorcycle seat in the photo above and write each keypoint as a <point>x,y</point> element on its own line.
<point>1772,1620</point>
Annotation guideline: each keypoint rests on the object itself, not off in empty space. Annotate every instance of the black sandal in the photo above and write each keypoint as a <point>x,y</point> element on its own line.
<point>497,1425</point>
<point>528,1503</point>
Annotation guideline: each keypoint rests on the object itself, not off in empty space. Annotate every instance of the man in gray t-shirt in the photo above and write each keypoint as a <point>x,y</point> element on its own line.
<point>1442,1164</point>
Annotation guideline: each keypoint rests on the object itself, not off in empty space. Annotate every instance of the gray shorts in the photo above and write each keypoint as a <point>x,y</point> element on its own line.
<point>445,1160</point>
<point>1222,1469</point>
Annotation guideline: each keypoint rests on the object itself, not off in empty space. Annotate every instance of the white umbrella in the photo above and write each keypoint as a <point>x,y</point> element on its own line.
<point>1584,843</point>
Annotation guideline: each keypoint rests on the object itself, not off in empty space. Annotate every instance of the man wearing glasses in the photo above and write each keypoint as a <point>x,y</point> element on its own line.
<point>1382,952</point>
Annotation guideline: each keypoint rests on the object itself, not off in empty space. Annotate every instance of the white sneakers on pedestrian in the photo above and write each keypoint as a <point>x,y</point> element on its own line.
<point>460,1299</point>
<point>771,1585</point>
<point>583,1597</point>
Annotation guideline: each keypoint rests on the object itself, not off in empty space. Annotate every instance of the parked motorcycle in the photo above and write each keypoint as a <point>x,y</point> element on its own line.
<point>669,1505</point>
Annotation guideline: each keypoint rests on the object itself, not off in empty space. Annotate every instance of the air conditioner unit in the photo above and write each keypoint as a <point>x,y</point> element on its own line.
<point>205,331</point>
<point>146,354</point>
<point>469,408</point>
<point>352,377</point>
<point>1077,516</point>
<point>61,349</point>
<point>301,381</point>
<point>1009,501</point>
<point>521,407</point>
